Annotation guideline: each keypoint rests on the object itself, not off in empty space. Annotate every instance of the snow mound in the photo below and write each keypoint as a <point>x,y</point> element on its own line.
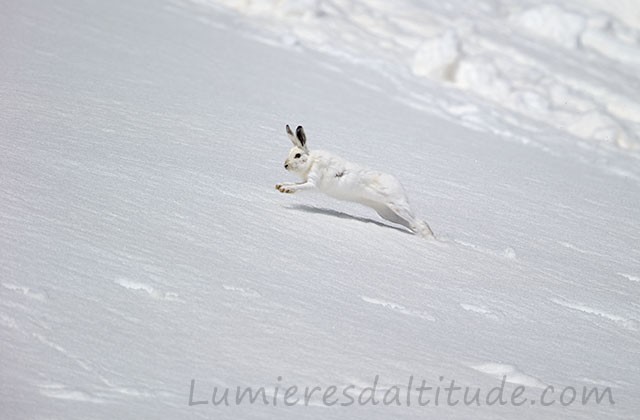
<point>499,55</point>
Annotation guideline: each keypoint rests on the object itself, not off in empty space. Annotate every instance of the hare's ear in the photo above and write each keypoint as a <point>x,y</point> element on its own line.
<point>292,137</point>
<point>298,139</point>
<point>289,132</point>
<point>301,136</point>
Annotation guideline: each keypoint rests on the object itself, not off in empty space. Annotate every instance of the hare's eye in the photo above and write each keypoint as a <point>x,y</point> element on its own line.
<point>297,156</point>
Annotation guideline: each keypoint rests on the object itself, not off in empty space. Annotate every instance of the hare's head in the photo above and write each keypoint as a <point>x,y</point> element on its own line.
<point>298,159</point>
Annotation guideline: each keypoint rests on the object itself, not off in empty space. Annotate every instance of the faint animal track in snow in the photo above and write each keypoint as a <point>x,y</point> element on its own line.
<point>156,294</point>
<point>482,310</point>
<point>512,373</point>
<point>27,291</point>
<point>9,322</point>
<point>361,384</point>
<point>243,291</point>
<point>132,285</point>
<point>51,344</point>
<point>41,338</point>
<point>508,253</point>
<point>580,250</point>
<point>399,308</point>
<point>44,340</point>
<point>111,389</point>
<point>59,391</point>
<point>630,277</point>
<point>132,392</point>
<point>599,382</point>
<point>630,324</point>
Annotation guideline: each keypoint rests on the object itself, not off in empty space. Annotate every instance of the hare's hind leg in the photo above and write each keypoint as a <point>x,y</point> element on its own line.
<point>389,214</point>
<point>401,214</point>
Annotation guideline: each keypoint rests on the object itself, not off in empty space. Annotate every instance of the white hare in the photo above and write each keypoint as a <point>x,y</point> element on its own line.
<point>344,180</point>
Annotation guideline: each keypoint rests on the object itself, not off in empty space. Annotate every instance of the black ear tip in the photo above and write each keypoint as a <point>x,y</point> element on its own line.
<point>300,135</point>
<point>289,129</point>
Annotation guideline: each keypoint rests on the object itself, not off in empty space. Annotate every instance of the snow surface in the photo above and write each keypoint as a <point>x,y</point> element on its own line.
<point>563,64</point>
<point>142,244</point>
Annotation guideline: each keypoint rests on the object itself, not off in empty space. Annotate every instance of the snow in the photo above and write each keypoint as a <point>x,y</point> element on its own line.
<point>554,23</point>
<point>143,245</point>
<point>562,64</point>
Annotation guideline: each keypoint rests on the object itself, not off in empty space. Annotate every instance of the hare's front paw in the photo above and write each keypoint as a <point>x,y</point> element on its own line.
<point>285,188</point>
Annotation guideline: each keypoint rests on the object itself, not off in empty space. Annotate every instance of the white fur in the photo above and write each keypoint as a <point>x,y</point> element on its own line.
<point>347,181</point>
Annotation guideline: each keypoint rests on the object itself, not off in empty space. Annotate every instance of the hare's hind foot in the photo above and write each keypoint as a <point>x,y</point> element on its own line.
<point>402,216</point>
<point>423,229</point>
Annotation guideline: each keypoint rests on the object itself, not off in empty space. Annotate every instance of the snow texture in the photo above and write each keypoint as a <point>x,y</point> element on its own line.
<point>143,245</point>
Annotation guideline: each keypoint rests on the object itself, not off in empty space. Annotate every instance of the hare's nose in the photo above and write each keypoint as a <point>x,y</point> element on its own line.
<point>286,166</point>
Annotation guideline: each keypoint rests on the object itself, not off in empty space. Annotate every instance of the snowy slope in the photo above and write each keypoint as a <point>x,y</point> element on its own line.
<point>573,65</point>
<point>142,244</point>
